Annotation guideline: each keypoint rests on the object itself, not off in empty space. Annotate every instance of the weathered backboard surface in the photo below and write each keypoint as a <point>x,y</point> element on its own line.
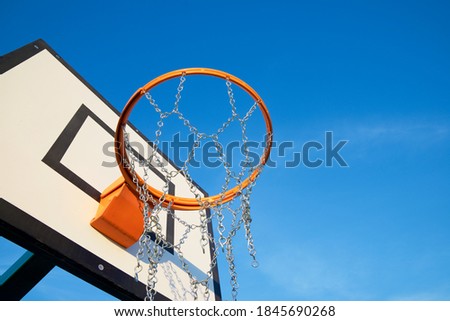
<point>57,135</point>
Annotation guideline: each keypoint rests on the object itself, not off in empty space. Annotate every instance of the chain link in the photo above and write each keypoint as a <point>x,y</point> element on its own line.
<point>153,243</point>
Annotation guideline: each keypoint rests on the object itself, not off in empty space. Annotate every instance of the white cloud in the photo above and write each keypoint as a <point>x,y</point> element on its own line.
<point>438,293</point>
<point>405,131</point>
<point>312,273</point>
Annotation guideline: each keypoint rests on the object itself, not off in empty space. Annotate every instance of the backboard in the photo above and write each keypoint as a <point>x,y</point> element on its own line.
<point>51,118</point>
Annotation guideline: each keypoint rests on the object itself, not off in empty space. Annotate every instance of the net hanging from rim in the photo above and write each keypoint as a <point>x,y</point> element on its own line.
<point>229,210</point>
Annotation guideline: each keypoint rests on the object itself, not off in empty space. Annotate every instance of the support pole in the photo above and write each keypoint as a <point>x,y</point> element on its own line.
<point>23,275</point>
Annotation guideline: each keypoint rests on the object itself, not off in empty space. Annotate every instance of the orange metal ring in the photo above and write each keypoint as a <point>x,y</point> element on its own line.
<point>183,203</point>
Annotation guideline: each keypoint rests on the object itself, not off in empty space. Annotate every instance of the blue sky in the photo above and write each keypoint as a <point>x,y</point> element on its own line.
<point>374,73</point>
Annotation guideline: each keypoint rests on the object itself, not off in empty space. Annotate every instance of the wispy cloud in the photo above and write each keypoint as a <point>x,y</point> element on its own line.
<point>368,137</point>
<point>402,131</point>
<point>312,273</point>
<point>348,272</point>
<point>441,293</point>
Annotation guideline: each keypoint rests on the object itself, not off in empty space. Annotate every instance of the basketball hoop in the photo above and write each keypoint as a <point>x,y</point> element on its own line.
<point>130,208</point>
<point>182,203</point>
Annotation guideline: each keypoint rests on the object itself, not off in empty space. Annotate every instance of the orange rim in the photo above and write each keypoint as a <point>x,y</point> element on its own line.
<point>183,203</point>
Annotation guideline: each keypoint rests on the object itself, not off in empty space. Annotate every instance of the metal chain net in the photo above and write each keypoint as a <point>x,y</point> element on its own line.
<point>228,217</point>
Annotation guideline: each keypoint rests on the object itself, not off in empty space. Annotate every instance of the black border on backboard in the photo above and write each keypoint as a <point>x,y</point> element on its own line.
<point>23,229</point>
<point>61,145</point>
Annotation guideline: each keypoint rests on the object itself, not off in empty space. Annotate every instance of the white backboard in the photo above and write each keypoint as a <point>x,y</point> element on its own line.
<point>57,135</point>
